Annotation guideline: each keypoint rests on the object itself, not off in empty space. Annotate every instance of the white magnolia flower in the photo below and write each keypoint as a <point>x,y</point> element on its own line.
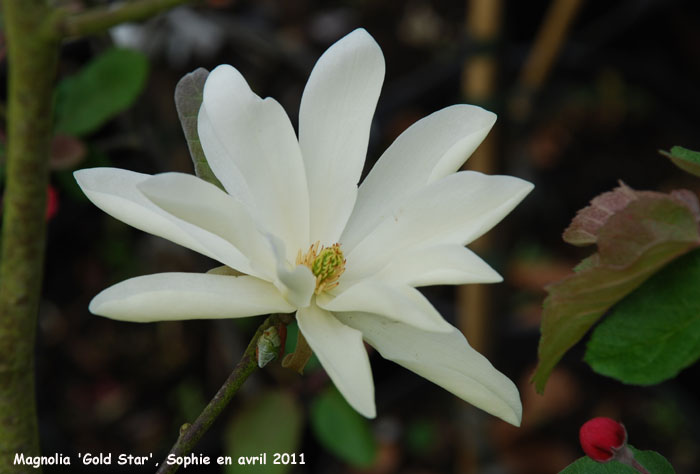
<point>293,220</point>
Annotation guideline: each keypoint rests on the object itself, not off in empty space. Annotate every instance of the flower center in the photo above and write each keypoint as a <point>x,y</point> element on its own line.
<point>327,264</point>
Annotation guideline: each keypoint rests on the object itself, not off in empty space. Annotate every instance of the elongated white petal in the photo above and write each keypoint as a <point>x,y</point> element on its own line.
<point>177,296</point>
<point>454,210</point>
<point>342,355</point>
<point>115,191</point>
<point>246,138</point>
<point>221,162</point>
<point>204,205</point>
<point>428,150</point>
<point>399,303</point>
<point>295,282</point>
<point>446,359</point>
<point>334,122</point>
<point>439,265</point>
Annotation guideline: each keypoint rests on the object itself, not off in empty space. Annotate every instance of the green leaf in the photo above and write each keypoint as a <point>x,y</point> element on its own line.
<point>105,87</point>
<point>653,333</point>
<point>651,460</point>
<point>341,430</point>
<point>633,243</point>
<point>188,99</point>
<point>269,424</point>
<point>687,160</point>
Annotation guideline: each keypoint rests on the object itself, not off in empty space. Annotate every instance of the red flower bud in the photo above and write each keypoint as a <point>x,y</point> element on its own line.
<point>601,438</point>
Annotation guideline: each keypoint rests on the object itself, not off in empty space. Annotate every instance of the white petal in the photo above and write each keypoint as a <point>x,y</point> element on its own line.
<point>334,122</point>
<point>248,139</point>
<point>115,192</point>
<point>221,162</point>
<point>177,296</point>
<point>428,150</point>
<point>295,282</point>
<point>342,354</point>
<point>454,210</point>
<point>439,265</point>
<point>206,206</point>
<point>446,359</point>
<point>399,303</point>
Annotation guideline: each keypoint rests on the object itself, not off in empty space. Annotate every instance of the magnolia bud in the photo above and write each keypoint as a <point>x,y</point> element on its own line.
<point>270,344</point>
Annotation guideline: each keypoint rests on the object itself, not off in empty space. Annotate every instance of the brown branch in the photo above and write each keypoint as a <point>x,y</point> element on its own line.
<point>190,434</point>
<point>33,57</point>
<point>100,19</point>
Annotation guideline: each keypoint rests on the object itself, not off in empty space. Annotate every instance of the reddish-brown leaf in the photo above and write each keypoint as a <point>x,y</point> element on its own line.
<point>584,228</point>
<point>637,233</point>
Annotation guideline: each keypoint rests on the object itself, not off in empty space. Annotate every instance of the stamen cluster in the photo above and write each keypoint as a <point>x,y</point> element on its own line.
<point>327,264</point>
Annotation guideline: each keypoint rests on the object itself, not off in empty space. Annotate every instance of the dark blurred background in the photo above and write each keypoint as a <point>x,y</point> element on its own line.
<point>624,83</point>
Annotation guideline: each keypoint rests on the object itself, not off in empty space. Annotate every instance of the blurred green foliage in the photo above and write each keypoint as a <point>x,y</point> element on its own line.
<point>105,87</point>
<point>422,436</point>
<point>341,430</point>
<point>190,399</point>
<point>271,423</point>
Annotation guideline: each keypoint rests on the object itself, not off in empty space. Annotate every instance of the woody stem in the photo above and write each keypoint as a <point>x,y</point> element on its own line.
<point>190,434</point>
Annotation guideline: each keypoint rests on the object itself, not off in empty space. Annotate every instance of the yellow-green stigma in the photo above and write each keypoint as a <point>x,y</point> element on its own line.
<point>327,264</point>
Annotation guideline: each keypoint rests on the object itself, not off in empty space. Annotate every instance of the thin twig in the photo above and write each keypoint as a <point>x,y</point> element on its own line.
<point>548,42</point>
<point>191,434</point>
<point>100,19</point>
